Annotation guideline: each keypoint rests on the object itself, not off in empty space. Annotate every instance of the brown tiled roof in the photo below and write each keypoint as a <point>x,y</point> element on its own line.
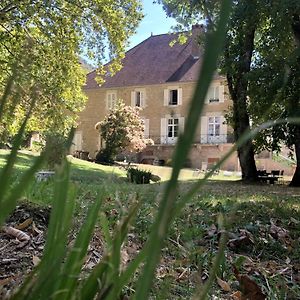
<point>152,62</point>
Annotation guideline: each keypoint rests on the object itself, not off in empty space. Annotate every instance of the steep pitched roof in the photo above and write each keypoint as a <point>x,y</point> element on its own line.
<point>154,61</point>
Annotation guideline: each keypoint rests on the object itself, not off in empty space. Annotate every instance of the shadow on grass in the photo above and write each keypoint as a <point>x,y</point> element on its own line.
<point>24,160</point>
<point>94,175</point>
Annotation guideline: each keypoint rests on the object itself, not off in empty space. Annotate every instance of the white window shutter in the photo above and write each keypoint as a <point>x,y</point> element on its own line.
<point>142,99</point>
<point>223,129</point>
<point>146,130</point>
<point>180,96</point>
<point>166,97</point>
<point>113,100</point>
<point>107,101</point>
<point>77,141</point>
<point>181,124</point>
<point>163,130</point>
<point>221,93</point>
<point>204,130</point>
<point>133,98</point>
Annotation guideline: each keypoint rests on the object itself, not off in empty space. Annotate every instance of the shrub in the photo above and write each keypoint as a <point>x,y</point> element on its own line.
<point>104,157</point>
<point>123,129</point>
<point>138,176</point>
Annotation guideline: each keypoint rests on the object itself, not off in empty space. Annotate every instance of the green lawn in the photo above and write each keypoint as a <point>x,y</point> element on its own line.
<point>263,225</point>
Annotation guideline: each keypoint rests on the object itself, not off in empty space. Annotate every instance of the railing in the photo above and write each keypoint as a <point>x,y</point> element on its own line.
<point>216,139</point>
<point>205,139</point>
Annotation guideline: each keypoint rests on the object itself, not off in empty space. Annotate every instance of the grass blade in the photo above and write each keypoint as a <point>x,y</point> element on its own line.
<point>9,203</point>
<point>73,264</point>
<point>105,230</point>
<point>163,219</point>
<point>49,268</point>
<point>6,171</point>
<point>95,281</point>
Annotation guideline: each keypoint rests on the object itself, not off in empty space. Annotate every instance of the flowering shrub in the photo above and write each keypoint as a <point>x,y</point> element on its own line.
<point>122,129</point>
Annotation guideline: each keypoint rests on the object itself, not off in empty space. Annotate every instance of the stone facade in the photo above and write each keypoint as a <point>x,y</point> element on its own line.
<point>161,80</point>
<point>157,112</point>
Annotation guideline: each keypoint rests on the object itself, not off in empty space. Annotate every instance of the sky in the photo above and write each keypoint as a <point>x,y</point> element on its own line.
<point>155,22</point>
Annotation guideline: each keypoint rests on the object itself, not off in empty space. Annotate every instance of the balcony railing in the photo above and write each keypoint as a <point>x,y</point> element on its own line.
<point>205,139</point>
<point>216,139</point>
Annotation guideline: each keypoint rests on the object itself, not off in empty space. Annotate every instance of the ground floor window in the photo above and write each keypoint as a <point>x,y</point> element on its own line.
<point>173,127</point>
<point>214,126</point>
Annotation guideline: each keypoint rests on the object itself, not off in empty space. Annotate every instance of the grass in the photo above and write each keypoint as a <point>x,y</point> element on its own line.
<point>250,210</point>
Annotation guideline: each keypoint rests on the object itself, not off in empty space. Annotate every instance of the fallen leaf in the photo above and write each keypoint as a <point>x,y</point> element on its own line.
<point>236,295</point>
<point>35,229</point>
<point>238,242</point>
<point>224,285</point>
<point>20,235</point>
<point>250,289</point>
<point>24,224</point>
<point>278,232</point>
<point>36,260</point>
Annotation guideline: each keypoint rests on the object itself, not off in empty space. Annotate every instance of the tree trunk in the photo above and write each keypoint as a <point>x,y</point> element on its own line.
<point>296,177</point>
<point>238,86</point>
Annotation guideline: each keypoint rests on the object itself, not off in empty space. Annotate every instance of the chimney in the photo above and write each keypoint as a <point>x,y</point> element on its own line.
<point>197,30</point>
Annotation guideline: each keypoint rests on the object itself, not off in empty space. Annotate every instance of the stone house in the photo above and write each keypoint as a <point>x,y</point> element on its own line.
<point>161,80</point>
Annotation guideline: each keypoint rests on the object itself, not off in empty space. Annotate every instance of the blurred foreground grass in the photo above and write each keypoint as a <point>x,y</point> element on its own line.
<point>193,238</point>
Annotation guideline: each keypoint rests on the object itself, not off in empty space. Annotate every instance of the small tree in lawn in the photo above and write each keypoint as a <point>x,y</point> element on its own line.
<point>122,129</point>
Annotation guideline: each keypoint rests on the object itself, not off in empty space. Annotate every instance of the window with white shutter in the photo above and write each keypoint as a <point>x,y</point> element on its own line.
<point>138,98</point>
<point>171,127</point>
<point>213,94</point>
<point>111,100</point>
<point>172,96</point>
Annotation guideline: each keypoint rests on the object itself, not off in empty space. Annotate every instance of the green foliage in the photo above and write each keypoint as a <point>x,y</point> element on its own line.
<point>104,156</point>
<point>235,60</point>
<point>58,274</point>
<point>44,40</point>
<point>55,147</point>
<point>138,176</point>
<point>121,129</point>
<point>274,85</point>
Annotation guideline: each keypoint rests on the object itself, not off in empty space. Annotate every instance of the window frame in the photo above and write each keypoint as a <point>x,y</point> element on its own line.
<point>173,95</point>
<point>215,90</point>
<point>174,126</point>
<point>110,102</point>
<point>214,124</point>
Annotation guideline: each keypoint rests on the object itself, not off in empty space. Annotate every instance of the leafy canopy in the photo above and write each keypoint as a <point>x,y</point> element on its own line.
<point>40,46</point>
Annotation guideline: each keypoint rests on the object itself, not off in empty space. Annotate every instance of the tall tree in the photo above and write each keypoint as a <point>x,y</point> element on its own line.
<point>275,78</point>
<point>236,64</point>
<point>41,43</point>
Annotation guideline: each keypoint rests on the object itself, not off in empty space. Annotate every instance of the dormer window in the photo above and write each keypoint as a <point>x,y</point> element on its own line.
<point>173,97</point>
